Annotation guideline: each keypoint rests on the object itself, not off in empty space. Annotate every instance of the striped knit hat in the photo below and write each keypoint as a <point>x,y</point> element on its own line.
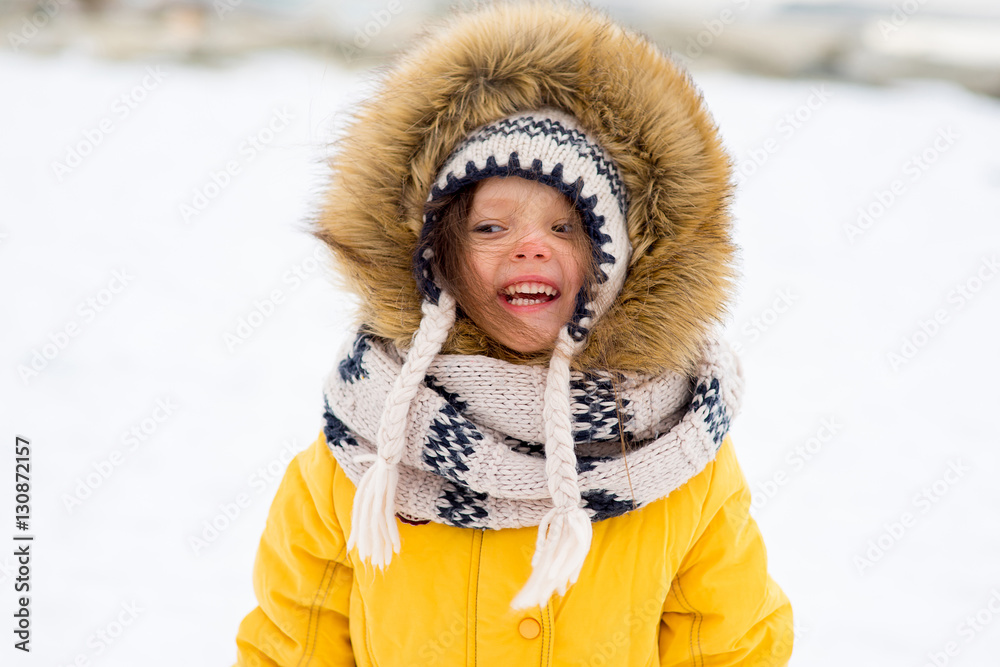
<point>549,146</point>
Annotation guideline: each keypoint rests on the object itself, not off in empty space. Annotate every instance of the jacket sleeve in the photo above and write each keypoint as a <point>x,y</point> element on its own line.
<point>302,579</point>
<point>723,608</point>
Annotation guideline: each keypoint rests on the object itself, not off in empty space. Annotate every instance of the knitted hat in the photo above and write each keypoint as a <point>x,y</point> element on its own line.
<point>549,146</point>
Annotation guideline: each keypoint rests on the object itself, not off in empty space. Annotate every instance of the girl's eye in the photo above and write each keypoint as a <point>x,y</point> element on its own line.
<point>563,228</point>
<point>487,228</point>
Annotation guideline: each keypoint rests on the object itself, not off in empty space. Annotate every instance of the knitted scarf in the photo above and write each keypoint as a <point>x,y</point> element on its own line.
<point>474,455</point>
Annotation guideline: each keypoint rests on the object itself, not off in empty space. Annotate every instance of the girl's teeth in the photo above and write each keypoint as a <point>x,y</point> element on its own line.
<point>522,294</point>
<point>531,288</point>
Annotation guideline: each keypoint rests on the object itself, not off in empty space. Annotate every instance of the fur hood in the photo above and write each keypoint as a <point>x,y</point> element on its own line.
<point>499,59</point>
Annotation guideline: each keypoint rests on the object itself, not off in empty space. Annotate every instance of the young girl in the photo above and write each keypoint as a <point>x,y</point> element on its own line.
<point>525,456</point>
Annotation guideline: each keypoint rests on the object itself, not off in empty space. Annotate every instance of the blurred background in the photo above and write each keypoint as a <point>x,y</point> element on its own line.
<point>864,40</point>
<point>167,322</point>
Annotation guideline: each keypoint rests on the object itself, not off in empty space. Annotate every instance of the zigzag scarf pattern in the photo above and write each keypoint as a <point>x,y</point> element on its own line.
<point>474,455</point>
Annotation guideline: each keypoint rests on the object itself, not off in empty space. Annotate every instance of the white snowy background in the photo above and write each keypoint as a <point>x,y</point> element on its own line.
<point>889,558</point>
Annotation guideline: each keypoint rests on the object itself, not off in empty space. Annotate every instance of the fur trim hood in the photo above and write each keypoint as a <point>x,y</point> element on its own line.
<point>494,61</point>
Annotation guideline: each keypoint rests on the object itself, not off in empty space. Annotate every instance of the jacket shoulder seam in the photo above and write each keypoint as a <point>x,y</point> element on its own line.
<point>312,626</point>
<point>694,638</point>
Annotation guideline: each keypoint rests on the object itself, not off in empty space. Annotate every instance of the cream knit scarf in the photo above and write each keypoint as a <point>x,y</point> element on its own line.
<point>474,454</point>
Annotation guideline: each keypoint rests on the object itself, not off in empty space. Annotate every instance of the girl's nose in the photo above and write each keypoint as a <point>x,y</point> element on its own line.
<point>532,247</point>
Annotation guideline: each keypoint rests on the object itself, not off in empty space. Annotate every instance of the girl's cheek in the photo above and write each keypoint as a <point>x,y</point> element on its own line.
<point>485,260</point>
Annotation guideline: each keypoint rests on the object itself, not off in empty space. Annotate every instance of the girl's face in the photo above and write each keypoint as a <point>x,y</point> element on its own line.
<point>527,258</point>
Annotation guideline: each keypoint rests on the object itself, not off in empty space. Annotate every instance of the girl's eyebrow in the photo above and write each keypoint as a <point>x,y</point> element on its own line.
<point>492,205</point>
<point>484,216</point>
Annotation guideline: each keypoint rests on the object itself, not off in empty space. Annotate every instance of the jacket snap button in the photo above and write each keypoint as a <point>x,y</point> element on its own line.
<point>529,628</point>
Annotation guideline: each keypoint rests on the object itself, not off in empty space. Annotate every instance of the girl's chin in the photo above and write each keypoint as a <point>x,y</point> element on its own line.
<point>524,329</point>
<point>528,336</point>
<point>528,346</point>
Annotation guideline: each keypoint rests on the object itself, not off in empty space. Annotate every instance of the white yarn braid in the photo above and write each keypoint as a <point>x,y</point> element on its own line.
<point>564,534</point>
<point>373,525</point>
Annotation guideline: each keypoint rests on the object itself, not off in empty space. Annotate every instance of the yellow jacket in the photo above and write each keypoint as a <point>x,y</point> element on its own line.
<point>682,581</point>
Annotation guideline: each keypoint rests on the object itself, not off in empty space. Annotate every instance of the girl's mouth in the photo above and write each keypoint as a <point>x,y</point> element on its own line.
<point>529,293</point>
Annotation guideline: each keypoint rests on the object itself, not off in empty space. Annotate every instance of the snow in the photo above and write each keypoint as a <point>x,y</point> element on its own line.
<point>818,314</point>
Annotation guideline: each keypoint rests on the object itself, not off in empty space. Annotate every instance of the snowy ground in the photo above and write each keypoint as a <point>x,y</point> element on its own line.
<point>873,474</point>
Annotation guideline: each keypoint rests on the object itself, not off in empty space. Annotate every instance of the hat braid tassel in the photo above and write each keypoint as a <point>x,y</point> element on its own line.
<point>565,532</point>
<point>373,518</point>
